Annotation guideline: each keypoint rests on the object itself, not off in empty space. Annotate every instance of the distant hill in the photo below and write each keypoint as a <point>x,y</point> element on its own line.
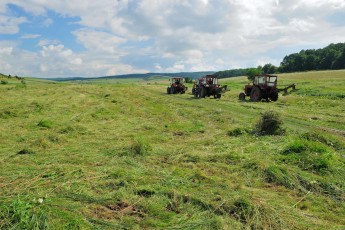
<point>192,75</point>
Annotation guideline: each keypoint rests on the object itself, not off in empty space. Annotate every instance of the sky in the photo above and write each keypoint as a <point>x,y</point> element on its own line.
<point>88,38</point>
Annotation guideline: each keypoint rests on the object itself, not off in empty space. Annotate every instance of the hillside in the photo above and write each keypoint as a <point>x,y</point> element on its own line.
<point>144,76</point>
<point>129,156</point>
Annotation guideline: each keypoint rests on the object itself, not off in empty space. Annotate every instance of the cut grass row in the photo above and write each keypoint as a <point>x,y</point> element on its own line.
<point>131,156</point>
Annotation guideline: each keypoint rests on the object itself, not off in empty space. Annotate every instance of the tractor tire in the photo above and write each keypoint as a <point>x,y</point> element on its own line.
<point>195,93</point>
<point>168,90</point>
<point>242,97</point>
<point>218,96</point>
<point>256,94</point>
<point>274,96</point>
<point>202,92</point>
<point>172,90</point>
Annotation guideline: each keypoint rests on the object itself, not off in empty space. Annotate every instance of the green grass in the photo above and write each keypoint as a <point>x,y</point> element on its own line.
<point>127,155</point>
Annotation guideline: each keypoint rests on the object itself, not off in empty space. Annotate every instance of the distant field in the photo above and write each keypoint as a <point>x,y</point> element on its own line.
<point>124,154</point>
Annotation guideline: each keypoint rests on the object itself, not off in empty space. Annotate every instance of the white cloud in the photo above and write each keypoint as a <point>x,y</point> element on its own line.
<point>99,41</point>
<point>177,67</point>
<point>10,25</point>
<point>171,35</point>
<point>46,42</point>
<point>6,50</point>
<point>117,69</point>
<point>30,36</point>
<point>48,22</point>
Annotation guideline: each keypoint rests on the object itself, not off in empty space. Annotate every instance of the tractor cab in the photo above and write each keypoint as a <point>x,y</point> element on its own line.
<point>211,80</point>
<point>176,86</point>
<point>265,81</point>
<point>176,80</point>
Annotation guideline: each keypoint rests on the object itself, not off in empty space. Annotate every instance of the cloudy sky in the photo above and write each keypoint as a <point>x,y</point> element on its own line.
<point>88,38</point>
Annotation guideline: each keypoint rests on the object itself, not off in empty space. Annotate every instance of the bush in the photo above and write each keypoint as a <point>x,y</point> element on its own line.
<point>3,82</point>
<point>270,123</point>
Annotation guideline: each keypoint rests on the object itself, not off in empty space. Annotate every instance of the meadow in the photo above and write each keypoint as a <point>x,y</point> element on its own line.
<point>125,155</point>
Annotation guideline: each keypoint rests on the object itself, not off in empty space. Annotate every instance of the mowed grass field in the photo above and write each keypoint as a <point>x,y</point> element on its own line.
<point>129,156</point>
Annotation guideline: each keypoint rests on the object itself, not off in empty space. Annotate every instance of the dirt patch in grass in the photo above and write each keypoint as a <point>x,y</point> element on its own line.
<point>117,211</point>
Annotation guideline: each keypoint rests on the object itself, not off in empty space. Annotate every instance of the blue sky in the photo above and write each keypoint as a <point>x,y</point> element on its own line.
<point>69,38</point>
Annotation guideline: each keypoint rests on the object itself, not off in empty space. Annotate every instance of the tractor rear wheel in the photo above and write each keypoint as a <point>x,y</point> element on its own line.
<point>172,90</point>
<point>256,94</point>
<point>242,96</point>
<point>202,92</point>
<point>274,96</point>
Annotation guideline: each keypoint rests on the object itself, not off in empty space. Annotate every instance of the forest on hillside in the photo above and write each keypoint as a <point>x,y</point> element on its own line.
<point>331,57</point>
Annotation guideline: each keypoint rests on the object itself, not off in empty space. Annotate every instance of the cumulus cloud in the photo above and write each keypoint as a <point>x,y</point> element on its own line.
<point>126,36</point>
<point>10,25</point>
<point>99,41</point>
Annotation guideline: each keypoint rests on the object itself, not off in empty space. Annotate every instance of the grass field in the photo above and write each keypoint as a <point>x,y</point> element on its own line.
<point>129,156</point>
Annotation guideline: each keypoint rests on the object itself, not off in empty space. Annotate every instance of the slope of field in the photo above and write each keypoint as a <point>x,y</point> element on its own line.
<point>111,156</point>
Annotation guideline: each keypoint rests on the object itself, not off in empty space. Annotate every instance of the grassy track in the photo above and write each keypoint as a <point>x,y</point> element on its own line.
<point>107,156</point>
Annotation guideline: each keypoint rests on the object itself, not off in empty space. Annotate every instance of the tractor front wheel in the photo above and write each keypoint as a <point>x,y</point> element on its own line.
<point>195,92</point>
<point>256,94</point>
<point>168,90</point>
<point>242,96</point>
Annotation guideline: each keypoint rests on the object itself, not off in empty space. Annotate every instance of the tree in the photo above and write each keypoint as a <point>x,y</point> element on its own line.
<point>269,68</point>
<point>330,57</point>
<point>251,72</point>
<point>339,62</point>
<point>188,80</point>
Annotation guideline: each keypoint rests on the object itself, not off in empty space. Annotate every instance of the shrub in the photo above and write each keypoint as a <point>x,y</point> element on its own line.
<point>3,82</point>
<point>270,123</point>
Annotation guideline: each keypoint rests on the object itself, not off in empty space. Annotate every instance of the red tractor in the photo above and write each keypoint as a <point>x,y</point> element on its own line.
<point>176,86</point>
<point>208,86</point>
<point>264,87</point>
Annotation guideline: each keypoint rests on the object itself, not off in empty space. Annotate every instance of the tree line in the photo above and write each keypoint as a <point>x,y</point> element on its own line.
<point>332,57</point>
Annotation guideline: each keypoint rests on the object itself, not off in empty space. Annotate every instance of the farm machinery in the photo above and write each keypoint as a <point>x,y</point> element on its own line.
<point>176,86</point>
<point>264,86</point>
<point>208,86</point>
